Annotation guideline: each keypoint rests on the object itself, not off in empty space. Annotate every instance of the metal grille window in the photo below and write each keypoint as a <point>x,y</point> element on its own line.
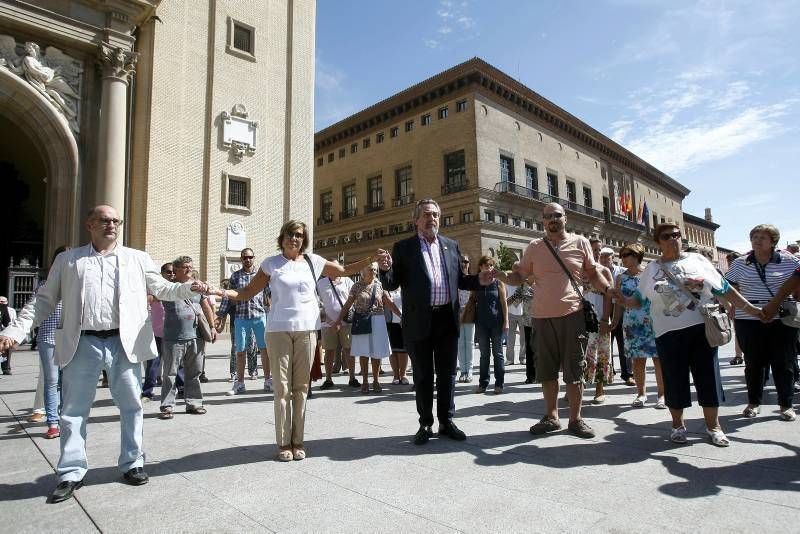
<point>552,184</point>
<point>531,178</point>
<point>572,194</point>
<point>349,200</point>
<point>455,168</point>
<point>587,197</point>
<point>326,205</point>
<point>375,192</point>
<point>403,186</point>
<point>237,193</point>
<point>506,169</point>
<point>242,38</point>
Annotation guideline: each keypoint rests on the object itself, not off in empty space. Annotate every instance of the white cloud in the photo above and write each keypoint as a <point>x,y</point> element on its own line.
<point>455,23</point>
<point>431,43</point>
<point>444,30</point>
<point>736,92</point>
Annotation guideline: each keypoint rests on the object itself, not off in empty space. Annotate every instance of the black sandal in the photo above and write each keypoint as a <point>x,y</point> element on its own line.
<point>196,410</point>
<point>166,414</point>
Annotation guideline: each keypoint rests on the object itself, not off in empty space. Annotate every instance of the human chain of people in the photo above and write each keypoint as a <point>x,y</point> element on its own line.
<point>105,309</point>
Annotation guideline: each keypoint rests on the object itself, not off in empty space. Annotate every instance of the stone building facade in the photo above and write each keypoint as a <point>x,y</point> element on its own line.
<point>193,117</point>
<point>699,233</point>
<point>492,152</point>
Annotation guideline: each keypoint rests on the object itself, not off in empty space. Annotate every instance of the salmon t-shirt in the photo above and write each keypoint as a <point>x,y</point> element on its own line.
<point>554,294</point>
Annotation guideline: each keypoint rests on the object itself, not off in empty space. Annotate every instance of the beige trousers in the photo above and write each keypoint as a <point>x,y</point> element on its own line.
<point>290,357</point>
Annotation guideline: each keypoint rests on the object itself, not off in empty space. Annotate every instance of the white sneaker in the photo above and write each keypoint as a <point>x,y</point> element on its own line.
<point>268,385</point>
<point>238,387</point>
<point>639,401</point>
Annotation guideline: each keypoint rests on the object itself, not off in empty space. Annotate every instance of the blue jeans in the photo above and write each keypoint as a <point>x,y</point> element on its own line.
<point>466,338</point>
<point>50,371</point>
<point>152,370</point>
<point>490,339</point>
<point>78,387</point>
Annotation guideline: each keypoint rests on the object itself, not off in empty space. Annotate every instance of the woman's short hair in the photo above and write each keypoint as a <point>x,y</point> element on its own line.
<point>485,260</point>
<point>659,229</point>
<point>770,229</point>
<point>636,249</point>
<point>369,267</point>
<point>181,260</point>
<point>290,227</point>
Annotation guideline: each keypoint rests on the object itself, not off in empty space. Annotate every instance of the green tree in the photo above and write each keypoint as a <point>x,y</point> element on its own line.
<point>505,257</point>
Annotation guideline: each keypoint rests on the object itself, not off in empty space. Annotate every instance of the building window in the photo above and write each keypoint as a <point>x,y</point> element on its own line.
<point>540,227</point>
<point>236,192</point>
<point>506,169</point>
<point>455,174</point>
<point>348,201</point>
<point>552,184</point>
<point>241,40</point>
<point>489,215</point>
<point>319,162</point>
<point>572,193</point>
<point>409,125</point>
<point>403,191</point>
<point>426,119</point>
<point>330,157</point>
<point>365,143</point>
<point>394,131</point>
<point>379,137</point>
<point>527,223</point>
<point>503,218</point>
<point>447,221</point>
<point>375,193</point>
<point>326,207</point>
<point>587,196</point>
<point>461,105</point>
<point>466,217</point>
<point>354,148</point>
<point>516,222</point>
<point>655,220</point>
<point>442,114</point>
<point>342,153</point>
<point>531,178</point>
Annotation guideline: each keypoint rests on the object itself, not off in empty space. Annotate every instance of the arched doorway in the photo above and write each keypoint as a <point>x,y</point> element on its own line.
<point>39,163</point>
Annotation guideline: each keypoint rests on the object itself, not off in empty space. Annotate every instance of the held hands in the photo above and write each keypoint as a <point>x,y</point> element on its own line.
<point>199,286</point>
<point>6,343</point>
<point>766,313</point>
<point>219,324</point>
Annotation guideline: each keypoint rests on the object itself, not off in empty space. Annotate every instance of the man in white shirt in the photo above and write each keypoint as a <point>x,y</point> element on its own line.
<point>103,287</point>
<point>333,293</point>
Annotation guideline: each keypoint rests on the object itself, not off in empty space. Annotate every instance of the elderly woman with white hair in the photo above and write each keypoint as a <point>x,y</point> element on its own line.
<point>369,299</point>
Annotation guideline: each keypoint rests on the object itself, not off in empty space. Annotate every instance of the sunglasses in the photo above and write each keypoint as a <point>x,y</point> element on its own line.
<point>296,235</point>
<point>248,257</point>
<point>554,215</point>
<point>669,235</point>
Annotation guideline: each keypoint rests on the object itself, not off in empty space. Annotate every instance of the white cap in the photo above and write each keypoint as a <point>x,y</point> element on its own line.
<point>606,250</point>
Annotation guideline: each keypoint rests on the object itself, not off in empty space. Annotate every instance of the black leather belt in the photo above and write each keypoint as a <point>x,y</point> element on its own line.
<point>103,334</point>
<point>441,307</point>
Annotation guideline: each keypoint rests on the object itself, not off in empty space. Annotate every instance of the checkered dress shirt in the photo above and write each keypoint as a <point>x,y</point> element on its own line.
<point>245,309</point>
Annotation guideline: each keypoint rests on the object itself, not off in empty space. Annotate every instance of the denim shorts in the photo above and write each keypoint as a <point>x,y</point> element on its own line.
<point>243,326</point>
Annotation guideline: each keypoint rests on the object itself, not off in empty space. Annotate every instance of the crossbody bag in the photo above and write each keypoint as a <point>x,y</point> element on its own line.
<point>788,311</point>
<point>589,313</point>
<point>362,322</point>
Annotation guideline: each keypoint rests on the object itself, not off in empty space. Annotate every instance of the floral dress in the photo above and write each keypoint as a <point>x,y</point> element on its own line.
<point>637,326</point>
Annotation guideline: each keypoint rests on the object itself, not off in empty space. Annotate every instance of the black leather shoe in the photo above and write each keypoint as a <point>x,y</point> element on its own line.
<point>452,431</point>
<point>136,476</point>
<point>64,490</point>
<point>423,435</point>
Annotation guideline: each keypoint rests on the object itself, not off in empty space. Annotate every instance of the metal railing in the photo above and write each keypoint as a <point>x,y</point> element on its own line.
<point>402,201</point>
<point>371,208</point>
<point>521,190</point>
<point>616,219</point>
<point>325,219</point>
<point>346,214</point>
<point>455,187</point>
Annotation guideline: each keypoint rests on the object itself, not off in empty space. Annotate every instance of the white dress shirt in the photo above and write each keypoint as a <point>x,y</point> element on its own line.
<point>101,295</point>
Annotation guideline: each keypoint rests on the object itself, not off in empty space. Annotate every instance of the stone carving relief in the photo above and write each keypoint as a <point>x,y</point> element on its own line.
<point>237,237</point>
<point>55,75</point>
<point>238,133</point>
<point>117,62</point>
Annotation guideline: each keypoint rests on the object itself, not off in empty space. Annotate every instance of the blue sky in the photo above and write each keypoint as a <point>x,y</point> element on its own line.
<point>708,92</point>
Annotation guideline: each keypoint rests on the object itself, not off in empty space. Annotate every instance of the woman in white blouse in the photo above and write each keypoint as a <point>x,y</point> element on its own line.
<point>292,326</point>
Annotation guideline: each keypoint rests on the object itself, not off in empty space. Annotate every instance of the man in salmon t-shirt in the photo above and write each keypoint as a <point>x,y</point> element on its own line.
<point>558,314</point>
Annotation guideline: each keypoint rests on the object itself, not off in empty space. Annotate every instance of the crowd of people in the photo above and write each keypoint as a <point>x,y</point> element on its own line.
<point>104,308</point>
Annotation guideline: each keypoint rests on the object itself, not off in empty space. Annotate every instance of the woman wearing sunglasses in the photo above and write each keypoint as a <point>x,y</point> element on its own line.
<point>671,286</point>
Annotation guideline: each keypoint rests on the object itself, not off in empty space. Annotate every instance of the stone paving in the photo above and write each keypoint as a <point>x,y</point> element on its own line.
<point>216,472</point>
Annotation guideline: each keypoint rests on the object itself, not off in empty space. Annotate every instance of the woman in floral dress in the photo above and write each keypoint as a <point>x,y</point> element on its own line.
<point>637,326</point>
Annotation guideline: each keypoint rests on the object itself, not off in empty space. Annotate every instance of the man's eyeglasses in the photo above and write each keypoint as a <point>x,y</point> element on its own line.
<point>554,215</point>
<point>248,257</point>
<point>669,235</point>
<point>110,222</point>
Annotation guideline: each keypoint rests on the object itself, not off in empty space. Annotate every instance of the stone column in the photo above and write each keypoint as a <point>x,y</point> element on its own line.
<point>117,64</point>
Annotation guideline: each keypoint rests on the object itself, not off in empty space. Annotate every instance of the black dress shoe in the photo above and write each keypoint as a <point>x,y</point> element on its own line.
<point>423,435</point>
<point>64,490</point>
<point>452,431</point>
<point>136,476</point>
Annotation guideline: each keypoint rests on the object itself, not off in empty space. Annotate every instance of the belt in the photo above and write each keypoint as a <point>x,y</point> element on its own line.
<point>441,307</point>
<point>103,334</point>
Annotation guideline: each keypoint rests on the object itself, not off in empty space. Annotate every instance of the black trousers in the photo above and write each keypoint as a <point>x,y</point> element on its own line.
<point>624,365</point>
<point>530,355</point>
<point>436,355</point>
<point>765,346</point>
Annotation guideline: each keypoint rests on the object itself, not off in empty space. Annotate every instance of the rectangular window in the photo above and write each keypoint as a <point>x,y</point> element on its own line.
<point>330,157</point>
<point>503,218</point>
<point>489,215</point>
<point>426,119</point>
<point>379,137</point>
<point>552,184</point>
<point>365,143</point>
<point>587,196</point>
<point>531,177</point>
<point>466,217</point>
<point>447,221</point>
<point>506,169</point>
<point>342,153</point>
<point>375,192</point>
<point>655,220</point>
<point>403,188</point>
<point>354,148</point>
<point>540,227</point>
<point>409,125</point>
<point>394,131</point>
<point>242,38</point>
<point>572,194</point>
<point>516,222</point>
<point>319,162</point>
<point>455,174</point>
<point>326,207</point>
<point>461,105</point>
<point>527,223</point>
<point>237,193</point>
<point>348,201</point>
<point>442,113</point>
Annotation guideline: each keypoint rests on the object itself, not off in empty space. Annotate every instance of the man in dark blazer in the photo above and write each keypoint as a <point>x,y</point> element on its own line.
<point>427,268</point>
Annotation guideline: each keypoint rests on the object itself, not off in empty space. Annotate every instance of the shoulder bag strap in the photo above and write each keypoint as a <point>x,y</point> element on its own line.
<point>677,283</point>
<point>313,273</point>
<point>762,273</point>
<point>336,292</point>
<point>561,263</point>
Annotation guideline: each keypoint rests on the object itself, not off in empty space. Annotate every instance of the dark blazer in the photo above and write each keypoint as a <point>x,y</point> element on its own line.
<point>408,271</point>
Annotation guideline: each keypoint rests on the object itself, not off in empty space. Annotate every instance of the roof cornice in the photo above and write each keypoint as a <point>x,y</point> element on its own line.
<point>699,221</point>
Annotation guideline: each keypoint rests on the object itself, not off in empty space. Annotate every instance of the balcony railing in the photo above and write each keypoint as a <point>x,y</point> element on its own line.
<point>370,208</point>
<point>402,201</point>
<point>346,214</point>
<point>521,190</point>
<point>325,218</point>
<point>616,219</point>
<point>455,187</point>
